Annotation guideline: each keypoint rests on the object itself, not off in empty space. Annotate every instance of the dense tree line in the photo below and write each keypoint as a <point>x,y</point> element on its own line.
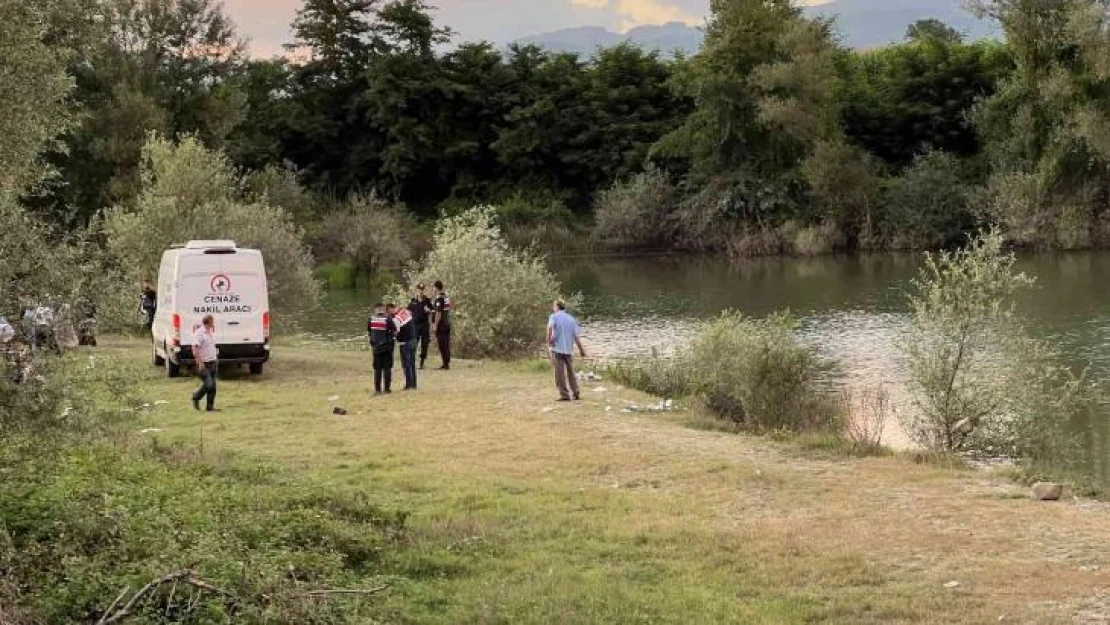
<point>772,138</point>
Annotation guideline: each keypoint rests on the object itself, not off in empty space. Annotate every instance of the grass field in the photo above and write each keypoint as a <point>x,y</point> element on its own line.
<point>527,511</point>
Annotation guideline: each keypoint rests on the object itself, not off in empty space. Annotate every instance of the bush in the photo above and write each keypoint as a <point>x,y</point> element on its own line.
<point>963,319</point>
<point>189,192</point>
<point>87,511</point>
<point>502,297</point>
<point>927,206</point>
<point>757,373</point>
<point>842,180</point>
<point>754,373</point>
<point>636,213</point>
<point>867,412</point>
<point>538,223</point>
<point>813,240</point>
<point>82,527</point>
<point>369,233</point>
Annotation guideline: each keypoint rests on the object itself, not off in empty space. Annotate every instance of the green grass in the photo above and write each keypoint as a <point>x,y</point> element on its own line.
<point>480,500</point>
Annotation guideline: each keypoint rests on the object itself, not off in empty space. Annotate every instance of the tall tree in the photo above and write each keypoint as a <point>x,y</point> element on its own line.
<point>158,65</point>
<point>35,91</point>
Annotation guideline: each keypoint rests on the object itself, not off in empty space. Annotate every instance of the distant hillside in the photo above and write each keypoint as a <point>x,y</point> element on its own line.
<point>861,23</point>
<point>586,39</point>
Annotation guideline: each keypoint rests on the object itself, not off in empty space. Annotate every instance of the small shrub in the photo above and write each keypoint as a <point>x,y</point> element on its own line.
<point>962,320</point>
<point>757,373</point>
<point>867,412</point>
<point>636,213</point>
<point>502,297</point>
<point>751,240</point>
<point>754,373</point>
<point>369,233</point>
<point>818,239</point>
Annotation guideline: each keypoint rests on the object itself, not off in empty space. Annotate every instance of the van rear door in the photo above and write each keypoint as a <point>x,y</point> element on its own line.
<point>235,299</point>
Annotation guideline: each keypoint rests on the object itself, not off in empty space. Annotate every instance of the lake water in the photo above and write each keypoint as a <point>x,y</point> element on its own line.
<point>851,308</point>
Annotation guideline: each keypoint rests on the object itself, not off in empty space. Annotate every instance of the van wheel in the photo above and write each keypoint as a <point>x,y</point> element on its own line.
<point>173,369</point>
<point>256,368</point>
<point>155,358</point>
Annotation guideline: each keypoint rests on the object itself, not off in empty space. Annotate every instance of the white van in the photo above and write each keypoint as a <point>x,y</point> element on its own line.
<point>212,278</point>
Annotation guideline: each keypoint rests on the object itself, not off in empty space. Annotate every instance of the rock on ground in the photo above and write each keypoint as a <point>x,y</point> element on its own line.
<point>1046,491</point>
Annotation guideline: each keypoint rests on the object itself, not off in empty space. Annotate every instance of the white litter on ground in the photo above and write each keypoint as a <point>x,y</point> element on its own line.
<point>150,431</point>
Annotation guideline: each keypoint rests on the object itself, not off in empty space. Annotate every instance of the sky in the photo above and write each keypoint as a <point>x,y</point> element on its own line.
<point>266,22</point>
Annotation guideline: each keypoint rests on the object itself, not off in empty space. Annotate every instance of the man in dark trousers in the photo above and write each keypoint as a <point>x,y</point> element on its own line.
<point>563,334</point>
<point>148,304</point>
<point>207,357</point>
<point>383,332</point>
<point>420,306</point>
<point>406,339</point>
<point>442,324</point>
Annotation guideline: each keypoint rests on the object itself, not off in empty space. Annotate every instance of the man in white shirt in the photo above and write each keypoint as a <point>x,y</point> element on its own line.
<point>207,357</point>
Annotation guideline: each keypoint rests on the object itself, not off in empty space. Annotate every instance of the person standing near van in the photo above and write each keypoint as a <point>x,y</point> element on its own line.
<point>207,357</point>
<point>442,323</point>
<point>382,331</point>
<point>563,333</point>
<point>148,304</point>
<point>420,306</point>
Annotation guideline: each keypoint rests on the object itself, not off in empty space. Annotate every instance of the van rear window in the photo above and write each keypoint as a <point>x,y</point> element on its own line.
<point>219,251</point>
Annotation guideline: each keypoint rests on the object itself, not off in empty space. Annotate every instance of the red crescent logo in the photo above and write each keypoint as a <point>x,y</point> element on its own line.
<point>220,283</point>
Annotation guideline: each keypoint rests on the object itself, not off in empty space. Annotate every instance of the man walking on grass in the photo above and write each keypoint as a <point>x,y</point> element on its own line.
<point>563,333</point>
<point>207,358</point>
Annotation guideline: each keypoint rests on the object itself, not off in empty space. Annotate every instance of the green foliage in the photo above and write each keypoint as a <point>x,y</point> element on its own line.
<point>757,373</point>
<point>752,372</point>
<point>36,101</point>
<point>637,213</point>
<point>1045,125</point>
<point>501,297</point>
<point>842,179</point>
<point>928,205</point>
<point>155,65</point>
<point>190,192</point>
<point>909,98</point>
<point>369,233</point>
<point>83,526</point>
<point>963,322</point>
<point>539,223</point>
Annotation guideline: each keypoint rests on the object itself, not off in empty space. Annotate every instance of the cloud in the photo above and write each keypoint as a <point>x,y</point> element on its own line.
<point>633,13</point>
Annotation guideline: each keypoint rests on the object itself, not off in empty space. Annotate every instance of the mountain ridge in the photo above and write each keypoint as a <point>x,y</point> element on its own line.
<point>860,24</point>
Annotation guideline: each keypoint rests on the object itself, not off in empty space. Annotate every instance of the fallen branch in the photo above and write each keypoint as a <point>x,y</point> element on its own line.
<point>185,576</point>
<point>341,591</point>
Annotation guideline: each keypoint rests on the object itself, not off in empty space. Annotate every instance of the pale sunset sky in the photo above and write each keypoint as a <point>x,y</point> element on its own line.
<point>266,22</point>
